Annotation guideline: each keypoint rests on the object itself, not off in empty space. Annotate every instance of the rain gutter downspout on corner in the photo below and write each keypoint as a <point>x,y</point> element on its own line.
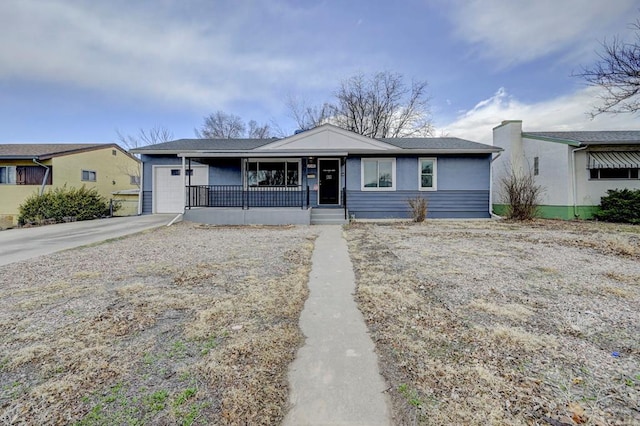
<point>46,174</point>
<point>574,179</point>
<point>491,182</point>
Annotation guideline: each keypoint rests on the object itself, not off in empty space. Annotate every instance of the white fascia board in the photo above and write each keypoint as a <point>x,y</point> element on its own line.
<point>251,154</point>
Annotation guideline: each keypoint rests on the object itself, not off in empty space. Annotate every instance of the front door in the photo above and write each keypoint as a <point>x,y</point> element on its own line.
<point>328,181</point>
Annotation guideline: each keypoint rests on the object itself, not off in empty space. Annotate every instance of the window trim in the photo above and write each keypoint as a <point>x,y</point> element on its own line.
<point>434,175</point>
<point>272,160</point>
<point>95,176</point>
<point>377,188</point>
<point>8,174</point>
<point>628,169</point>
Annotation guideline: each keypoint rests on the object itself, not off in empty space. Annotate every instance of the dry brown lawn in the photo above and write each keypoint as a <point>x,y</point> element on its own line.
<point>182,325</point>
<point>486,322</point>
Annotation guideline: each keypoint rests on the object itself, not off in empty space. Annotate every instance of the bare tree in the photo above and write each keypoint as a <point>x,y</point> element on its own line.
<point>157,134</point>
<point>258,132</point>
<point>382,105</point>
<point>306,116</point>
<point>618,73</point>
<point>221,125</point>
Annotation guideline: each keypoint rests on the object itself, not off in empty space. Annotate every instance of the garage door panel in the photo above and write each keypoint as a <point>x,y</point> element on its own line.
<point>169,187</point>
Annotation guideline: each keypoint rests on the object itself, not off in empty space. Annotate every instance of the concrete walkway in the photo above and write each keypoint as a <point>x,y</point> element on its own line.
<point>335,378</point>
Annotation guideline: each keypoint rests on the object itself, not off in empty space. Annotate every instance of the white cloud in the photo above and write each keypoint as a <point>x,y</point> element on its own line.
<point>513,32</point>
<point>144,52</point>
<point>563,113</point>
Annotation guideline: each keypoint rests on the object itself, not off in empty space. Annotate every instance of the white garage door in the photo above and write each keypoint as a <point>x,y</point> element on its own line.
<point>169,186</point>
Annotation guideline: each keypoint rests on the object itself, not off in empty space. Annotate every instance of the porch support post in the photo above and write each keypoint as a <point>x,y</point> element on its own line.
<point>184,179</point>
<point>189,181</point>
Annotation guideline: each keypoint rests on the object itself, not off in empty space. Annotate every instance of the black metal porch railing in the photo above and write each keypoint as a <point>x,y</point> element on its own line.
<point>238,196</point>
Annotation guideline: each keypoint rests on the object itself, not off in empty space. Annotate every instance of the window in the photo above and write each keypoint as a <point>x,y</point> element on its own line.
<point>89,175</point>
<point>134,180</point>
<point>613,173</point>
<point>427,174</point>
<point>175,172</point>
<point>273,173</point>
<point>7,175</point>
<point>378,174</point>
<point>536,166</point>
<point>113,152</point>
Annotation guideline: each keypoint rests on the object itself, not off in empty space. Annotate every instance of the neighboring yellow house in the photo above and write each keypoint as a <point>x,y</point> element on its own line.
<point>26,169</point>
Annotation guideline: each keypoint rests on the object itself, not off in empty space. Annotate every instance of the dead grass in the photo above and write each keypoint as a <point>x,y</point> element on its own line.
<point>494,322</point>
<point>183,325</point>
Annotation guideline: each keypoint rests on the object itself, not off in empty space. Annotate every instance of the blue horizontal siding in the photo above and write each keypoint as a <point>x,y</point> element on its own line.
<point>441,204</point>
<point>147,202</point>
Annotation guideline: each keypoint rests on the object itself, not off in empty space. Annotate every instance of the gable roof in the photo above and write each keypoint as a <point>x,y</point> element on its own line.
<point>603,137</point>
<point>322,140</point>
<point>44,151</point>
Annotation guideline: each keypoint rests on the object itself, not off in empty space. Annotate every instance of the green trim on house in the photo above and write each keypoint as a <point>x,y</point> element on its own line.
<point>548,139</point>
<point>555,212</point>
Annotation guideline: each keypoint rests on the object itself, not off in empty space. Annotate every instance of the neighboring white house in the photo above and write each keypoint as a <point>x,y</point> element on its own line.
<point>575,169</point>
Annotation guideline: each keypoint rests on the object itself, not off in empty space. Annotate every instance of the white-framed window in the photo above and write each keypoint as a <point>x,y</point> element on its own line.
<point>89,175</point>
<point>8,175</point>
<point>536,166</point>
<point>378,174</point>
<point>427,174</point>
<point>273,172</point>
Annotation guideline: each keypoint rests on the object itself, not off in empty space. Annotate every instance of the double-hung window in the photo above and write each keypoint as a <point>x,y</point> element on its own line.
<point>285,173</point>
<point>8,175</point>
<point>378,174</point>
<point>427,174</point>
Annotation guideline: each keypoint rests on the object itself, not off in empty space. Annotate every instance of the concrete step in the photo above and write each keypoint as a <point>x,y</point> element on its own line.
<point>327,217</point>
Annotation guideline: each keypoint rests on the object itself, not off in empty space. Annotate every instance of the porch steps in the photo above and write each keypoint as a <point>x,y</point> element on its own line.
<point>321,216</point>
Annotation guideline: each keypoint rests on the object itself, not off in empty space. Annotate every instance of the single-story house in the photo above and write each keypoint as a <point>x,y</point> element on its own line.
<point>314,176</point>
<point>26,169</point>
<point>574,169</point>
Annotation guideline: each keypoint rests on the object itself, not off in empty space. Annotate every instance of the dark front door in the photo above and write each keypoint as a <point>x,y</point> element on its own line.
<point>329,181</point>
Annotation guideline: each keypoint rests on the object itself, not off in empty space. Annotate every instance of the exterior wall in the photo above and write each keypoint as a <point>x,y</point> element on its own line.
<point>225,171</point>
<point>13,195</point>
<point>554,170</point>
<point>590,191</point>
<point>462,189</point>
<point>554,175</point>
<point>113,172</point>
<point>67,170</point>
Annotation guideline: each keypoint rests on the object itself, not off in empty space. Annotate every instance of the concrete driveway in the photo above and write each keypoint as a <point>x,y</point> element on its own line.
<point>26,243</point>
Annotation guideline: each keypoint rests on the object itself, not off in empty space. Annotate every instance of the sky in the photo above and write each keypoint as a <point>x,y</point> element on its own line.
<point>83,70</point>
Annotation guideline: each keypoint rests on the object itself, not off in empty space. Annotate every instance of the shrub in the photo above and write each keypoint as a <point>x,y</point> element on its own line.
<point>60,203</point>
<point>521,194</point>
<point>418,207</point>
<point>620,205</point>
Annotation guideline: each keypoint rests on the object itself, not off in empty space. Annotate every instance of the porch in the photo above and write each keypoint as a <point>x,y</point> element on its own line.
<point>239,205</point>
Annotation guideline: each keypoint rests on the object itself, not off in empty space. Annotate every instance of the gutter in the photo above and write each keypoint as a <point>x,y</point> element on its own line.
<point>46,174</point>
<point>574,179</point>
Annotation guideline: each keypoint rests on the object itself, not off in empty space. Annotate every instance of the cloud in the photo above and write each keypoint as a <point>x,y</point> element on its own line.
<point>562,113</point>
<point>515,32</point>
<point>148,51</point>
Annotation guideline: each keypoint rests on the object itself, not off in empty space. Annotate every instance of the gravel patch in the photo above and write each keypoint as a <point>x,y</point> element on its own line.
<point>491,322</point>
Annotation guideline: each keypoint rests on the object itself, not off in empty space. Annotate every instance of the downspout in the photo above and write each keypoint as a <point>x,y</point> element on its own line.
<point>491,183</point>
<point>46,174</point>
<point>574,180</point>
